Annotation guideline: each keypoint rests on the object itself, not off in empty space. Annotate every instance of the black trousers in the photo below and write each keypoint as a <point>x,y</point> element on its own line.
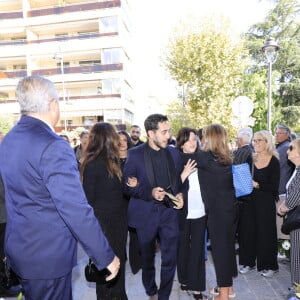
<point>191,254</point>
<point>2,255</point>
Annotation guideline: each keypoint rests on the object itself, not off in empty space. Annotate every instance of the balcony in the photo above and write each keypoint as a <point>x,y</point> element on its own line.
<point>60,9</point>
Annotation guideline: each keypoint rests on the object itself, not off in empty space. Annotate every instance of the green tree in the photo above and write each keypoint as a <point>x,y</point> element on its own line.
<point>210,63</point>
<point>282,23</point>
<point>6,123</point>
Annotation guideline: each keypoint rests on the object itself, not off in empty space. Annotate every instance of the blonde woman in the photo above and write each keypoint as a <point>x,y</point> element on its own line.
<point>215,177</point>
<point>258,238</point>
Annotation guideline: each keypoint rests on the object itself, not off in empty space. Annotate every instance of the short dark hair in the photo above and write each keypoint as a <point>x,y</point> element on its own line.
<point>183,136</point>
<point>151,122</point>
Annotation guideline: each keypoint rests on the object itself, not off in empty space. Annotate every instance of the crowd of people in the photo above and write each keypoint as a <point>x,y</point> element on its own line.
<point>163,193</point>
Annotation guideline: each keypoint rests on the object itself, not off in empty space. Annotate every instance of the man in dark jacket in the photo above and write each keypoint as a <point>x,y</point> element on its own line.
<point>5,287</point>
<point>243,155</point>
<point>283,139</point>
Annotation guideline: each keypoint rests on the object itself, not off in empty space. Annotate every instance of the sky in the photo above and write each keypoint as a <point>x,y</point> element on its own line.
<point>152,24</point>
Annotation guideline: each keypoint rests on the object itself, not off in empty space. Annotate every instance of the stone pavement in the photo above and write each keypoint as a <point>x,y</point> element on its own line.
<point>251,286</point>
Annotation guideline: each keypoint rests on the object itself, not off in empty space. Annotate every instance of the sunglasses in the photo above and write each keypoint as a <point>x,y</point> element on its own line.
<point>291,147</point>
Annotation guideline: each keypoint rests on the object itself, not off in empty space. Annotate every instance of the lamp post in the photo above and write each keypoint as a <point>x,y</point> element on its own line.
<point>59,57</point>
<point>270,49</point>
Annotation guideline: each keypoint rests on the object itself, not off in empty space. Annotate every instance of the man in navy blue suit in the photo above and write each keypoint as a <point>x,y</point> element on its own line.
<point>47,211</point>
<point>157,168</point>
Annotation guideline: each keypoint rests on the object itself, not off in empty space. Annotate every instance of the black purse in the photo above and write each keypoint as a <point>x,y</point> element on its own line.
<point>92,274</point>
<point>291,220</point>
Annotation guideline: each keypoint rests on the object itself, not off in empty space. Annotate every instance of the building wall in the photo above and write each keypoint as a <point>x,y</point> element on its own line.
<point>82,46</point>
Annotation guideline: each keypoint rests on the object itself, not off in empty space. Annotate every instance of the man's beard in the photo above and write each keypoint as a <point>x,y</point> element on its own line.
<point>135,138</point>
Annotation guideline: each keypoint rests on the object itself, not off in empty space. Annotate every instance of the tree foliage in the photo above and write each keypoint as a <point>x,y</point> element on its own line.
<point>215,69</point>
<point>282,23</point>
<point>210,63</point>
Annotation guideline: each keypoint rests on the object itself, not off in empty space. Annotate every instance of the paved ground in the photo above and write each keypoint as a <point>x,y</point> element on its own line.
<point>251,286</point>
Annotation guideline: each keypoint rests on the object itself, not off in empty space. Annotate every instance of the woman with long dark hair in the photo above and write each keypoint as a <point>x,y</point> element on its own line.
<point>102,181</point>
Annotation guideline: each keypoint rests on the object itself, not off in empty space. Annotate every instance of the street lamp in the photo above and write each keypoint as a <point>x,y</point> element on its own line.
<point>59,57</point>
<point>270,49</point>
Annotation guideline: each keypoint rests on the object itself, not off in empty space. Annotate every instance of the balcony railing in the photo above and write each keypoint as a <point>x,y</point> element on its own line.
<point>61,9</point>
<point>57,39</point>
<point>73,98</point>
<point>79,70</point>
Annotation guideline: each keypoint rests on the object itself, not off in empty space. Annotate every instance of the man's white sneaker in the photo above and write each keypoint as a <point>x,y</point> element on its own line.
<point>246,269</point>
<point>268,273</point>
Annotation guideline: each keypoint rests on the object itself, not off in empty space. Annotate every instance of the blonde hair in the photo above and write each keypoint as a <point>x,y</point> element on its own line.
<point>216,141</point>
<point>296,143</point>
<point>267,136</point>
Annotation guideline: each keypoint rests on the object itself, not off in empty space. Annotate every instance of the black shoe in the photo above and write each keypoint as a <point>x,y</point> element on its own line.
<point>199,296</point>
<point>183,287</point>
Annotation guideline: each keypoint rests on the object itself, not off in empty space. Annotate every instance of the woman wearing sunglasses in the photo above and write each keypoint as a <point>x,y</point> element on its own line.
<point>293,200</point>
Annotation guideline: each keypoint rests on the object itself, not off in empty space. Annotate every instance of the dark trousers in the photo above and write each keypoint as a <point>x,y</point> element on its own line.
<point>191,254</point>
<point>258,234</point>
<point>162,223</point>
<point>135,259</point>
<point>2,255</point>
<point>48,289</point>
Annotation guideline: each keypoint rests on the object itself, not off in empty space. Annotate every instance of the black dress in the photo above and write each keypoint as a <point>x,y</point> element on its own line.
<point>258,233</point>
<point>221,208</point>
<point>105,195</point>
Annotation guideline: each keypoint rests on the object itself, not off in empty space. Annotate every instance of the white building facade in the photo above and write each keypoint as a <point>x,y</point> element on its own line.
<point>82,46</point>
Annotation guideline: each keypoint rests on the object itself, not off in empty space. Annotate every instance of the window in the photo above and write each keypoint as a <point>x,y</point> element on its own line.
<point>111,86</point>
<point>111,56</point>
<point>109,24</point>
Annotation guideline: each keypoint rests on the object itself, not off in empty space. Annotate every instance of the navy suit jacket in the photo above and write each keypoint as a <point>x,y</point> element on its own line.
<point>138,164</point>
<point>47,211</point>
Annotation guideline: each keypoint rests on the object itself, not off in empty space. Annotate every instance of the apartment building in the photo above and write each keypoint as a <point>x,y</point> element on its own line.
<point>82,46</point>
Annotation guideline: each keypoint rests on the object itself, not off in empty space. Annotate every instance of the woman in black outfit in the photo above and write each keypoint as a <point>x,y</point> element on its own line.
<point>102,175</point>
<point>215,177</point>
<point>135,258</point>
<point>258,232</point>
<point>192,222</point>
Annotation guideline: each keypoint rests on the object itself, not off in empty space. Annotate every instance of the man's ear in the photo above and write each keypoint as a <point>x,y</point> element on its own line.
<point>53,105</point>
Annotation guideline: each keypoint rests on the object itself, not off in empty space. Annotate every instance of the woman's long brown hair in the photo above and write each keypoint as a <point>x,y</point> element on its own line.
<point>103,144</point>
<point>216,141</point>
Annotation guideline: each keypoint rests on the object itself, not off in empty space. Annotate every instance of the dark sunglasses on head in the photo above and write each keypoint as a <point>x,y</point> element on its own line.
<point>291,147</point>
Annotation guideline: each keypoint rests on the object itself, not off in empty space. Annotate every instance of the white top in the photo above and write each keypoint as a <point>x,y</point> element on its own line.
<point>195,206</point>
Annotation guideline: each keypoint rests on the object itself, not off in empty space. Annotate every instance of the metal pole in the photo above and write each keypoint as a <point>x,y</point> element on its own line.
<point>63,88</point>
<point>269,116</point>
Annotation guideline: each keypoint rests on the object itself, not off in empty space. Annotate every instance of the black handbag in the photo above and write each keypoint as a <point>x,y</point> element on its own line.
<point>291,220</point>
<point>92,274</point>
